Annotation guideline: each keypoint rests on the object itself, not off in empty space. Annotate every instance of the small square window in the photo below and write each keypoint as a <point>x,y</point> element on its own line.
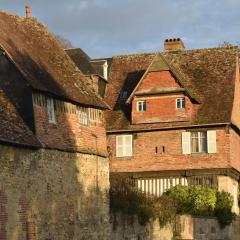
<point>180,103</point>
<point>141,106</point>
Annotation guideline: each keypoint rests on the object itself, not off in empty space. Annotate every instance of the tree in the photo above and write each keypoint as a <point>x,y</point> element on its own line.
<point>64,42</point>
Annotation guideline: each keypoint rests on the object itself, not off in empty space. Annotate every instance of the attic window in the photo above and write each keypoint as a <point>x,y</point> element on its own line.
<point>180,103</point>
<point>123,95</point>
<point>51,111</point>
<point>141,106</point>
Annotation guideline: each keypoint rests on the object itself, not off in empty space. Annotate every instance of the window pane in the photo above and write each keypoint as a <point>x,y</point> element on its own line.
<point>194,142</point>
<point>144,106</point>
<point>178,103</point>
<point>141,106</point>
<point>203,142</point>
<point>198,142</point>
<point>183,103</point>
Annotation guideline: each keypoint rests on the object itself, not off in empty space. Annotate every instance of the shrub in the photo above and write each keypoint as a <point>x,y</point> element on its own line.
<point>194,200</point>
<point>203,201</point>
<point>223,208</point>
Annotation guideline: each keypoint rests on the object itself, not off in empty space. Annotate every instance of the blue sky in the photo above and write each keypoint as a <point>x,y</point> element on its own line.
<point>109,27</point>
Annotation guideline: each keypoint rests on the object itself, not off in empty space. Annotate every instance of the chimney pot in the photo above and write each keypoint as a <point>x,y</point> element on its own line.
<point>173,44</point>
<point>28,11</point>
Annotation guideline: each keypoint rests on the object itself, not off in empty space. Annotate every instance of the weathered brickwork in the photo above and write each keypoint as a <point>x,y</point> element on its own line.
<point>163,79</point>
<point>161,107</point>
<point>235,149</point>
<point>68,133</point>
<point>49,194</point>
<point>162,150</point>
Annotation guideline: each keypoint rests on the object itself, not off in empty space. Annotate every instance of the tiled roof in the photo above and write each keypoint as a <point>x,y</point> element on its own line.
<point>43,62</point>
<point>82,60</point>
<point>208,74</point>
<point>12,128</point>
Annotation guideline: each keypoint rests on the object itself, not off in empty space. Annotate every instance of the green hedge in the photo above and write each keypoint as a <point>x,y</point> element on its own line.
<point>193,200</point>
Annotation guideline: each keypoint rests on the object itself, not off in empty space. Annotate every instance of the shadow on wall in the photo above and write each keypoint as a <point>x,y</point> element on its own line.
<point>49,194</point>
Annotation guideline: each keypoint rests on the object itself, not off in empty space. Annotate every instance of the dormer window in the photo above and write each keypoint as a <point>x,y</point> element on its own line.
<point>180,103</point>
<point>123,95</point>
<point>51,111</point>
<point>141,106</point>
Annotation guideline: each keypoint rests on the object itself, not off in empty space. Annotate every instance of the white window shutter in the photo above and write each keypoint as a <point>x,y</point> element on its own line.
<point>186,142</point>
<point>119,146</point>
<point>128,145</point>
<point>211,142</point>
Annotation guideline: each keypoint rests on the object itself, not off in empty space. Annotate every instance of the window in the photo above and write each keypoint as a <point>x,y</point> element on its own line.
<point>50,110</point>
<point>123,95</point>
<point>180,103</point>
<point>141,106</point>
<point>124,146</point>
<point>199,142</point>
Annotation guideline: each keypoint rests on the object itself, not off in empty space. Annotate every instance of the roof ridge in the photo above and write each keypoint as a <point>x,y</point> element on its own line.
<point>184,50</point>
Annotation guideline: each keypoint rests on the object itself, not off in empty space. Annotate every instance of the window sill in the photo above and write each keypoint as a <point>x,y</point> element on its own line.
<point>199,154</point>
<point>124,158</point>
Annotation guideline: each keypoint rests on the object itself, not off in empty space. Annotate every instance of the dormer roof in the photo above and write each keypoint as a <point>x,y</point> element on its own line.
<point>208,75</point>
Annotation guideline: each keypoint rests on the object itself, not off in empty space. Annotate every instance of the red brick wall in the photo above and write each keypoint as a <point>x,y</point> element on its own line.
<point>163,79</point>
<point>161,108</point>
<point>68,133</point>
<point>235,149</point>
<point>145,157</point>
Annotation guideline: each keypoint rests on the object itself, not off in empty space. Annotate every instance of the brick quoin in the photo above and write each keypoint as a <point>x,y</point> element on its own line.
<point>23,212</point>
<point>3,215</point>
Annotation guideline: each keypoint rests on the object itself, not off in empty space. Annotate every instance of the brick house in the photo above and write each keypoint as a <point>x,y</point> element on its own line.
<point>175,118</point>
<point>54,166</point>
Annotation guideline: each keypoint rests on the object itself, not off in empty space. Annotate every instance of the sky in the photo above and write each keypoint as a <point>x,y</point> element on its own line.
<point>103,28</point>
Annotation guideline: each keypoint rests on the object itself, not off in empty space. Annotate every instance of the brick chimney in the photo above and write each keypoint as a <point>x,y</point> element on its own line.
<point>28,11</point>
<point>173,44</point>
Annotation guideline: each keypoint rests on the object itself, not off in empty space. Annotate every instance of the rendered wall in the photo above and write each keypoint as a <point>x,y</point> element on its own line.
<point>53,195</point>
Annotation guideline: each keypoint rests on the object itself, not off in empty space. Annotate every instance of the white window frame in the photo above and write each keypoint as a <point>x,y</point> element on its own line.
<point>126,150</point>
<point>140,106</point>
<point>182,102</point>
<point>202,148</point>
<point>51,111</point>
<point>211,142</point>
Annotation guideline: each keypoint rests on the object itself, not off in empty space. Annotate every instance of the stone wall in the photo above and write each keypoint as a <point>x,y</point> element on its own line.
<point>53,195</point>
<point>185,228</point>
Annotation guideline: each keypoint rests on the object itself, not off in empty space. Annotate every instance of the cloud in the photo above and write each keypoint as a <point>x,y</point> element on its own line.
<point>105,28</point>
